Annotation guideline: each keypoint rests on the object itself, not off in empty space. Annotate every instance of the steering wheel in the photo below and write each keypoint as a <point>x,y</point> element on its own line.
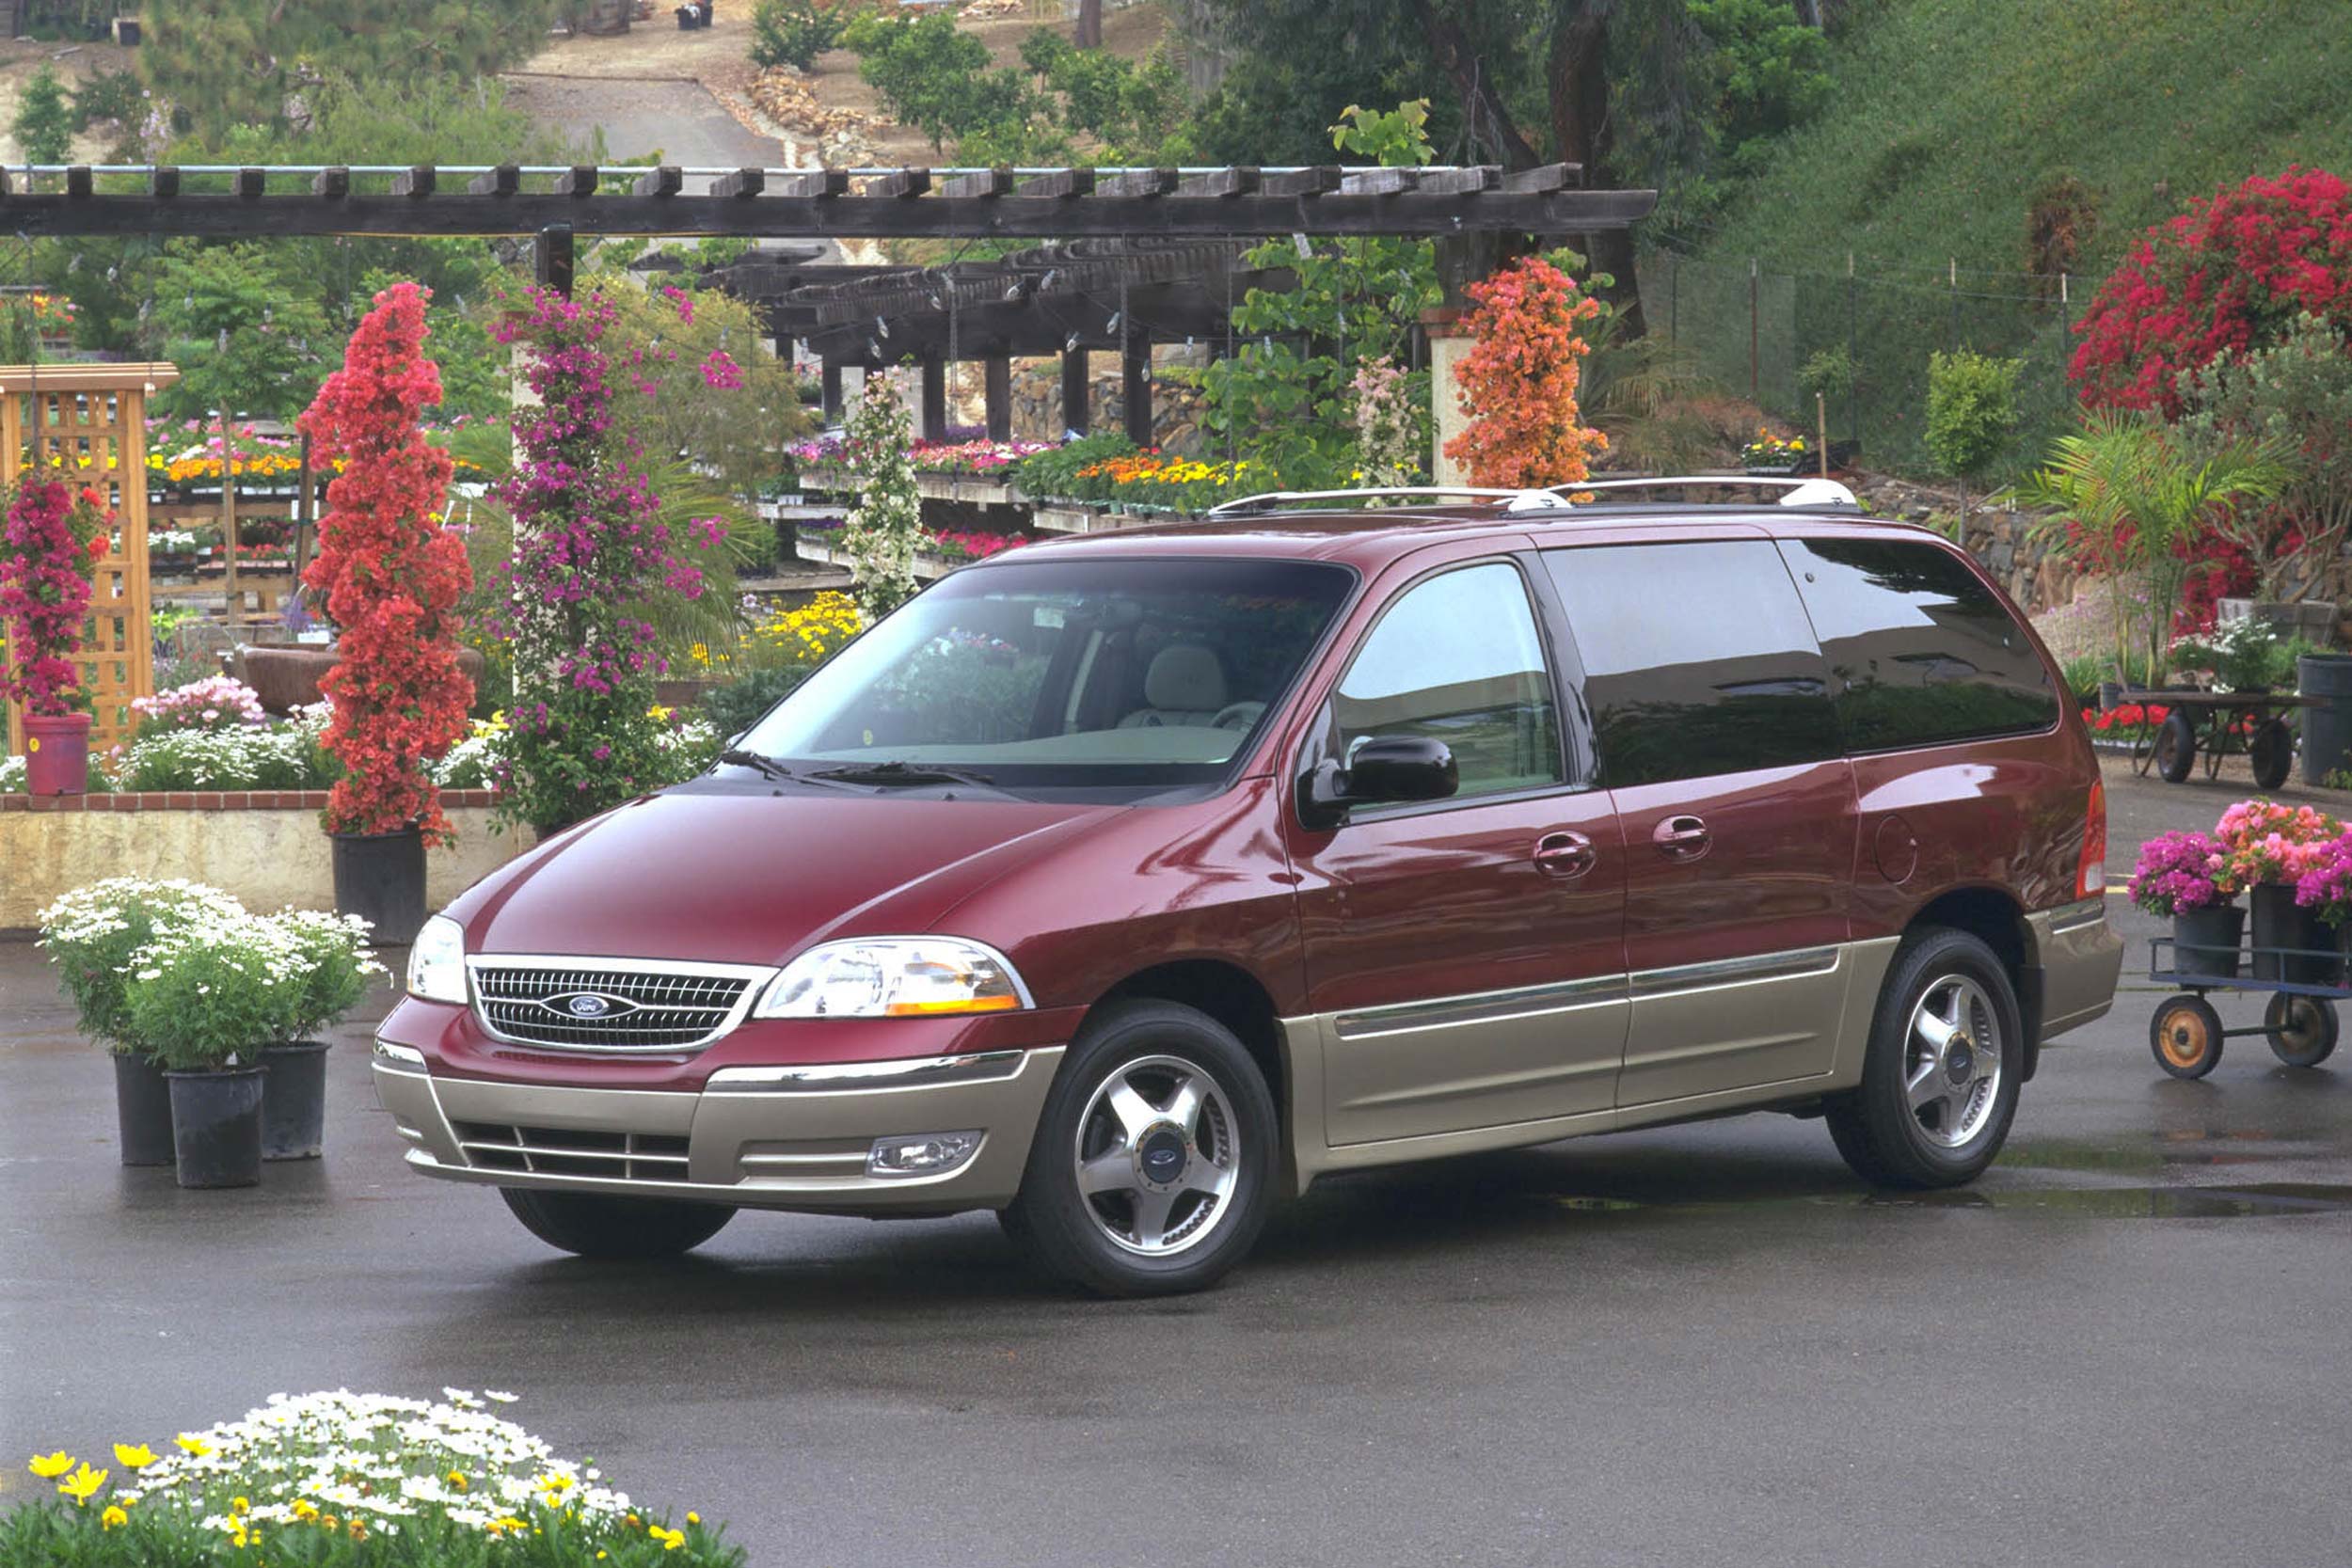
<point>1237,716</point>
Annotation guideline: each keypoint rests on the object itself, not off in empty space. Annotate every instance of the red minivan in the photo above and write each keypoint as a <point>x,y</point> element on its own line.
<point>1124,884</point>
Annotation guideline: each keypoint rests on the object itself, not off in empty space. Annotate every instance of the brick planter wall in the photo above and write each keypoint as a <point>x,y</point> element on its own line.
<point>264,846</point>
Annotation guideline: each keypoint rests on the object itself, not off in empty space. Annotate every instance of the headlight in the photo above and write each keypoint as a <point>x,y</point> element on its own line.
<point>437,962</point>
<point>895,977</point>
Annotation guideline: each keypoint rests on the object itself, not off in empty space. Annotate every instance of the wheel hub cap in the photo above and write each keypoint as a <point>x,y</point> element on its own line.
<point>1160,1156</point>
<point>1157,1158</point>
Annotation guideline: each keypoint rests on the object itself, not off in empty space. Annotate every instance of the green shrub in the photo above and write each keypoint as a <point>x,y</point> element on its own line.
<point>1972,412</point>
<point>795,32</point>
<point>44,125</point>
<point>1055,470</point>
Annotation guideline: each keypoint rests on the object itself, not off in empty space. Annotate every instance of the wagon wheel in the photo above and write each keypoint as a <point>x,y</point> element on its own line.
<point>2185,1036</point>
<point>2272,749</point>
<point>2175,748</point>
<point>2302,1029</point>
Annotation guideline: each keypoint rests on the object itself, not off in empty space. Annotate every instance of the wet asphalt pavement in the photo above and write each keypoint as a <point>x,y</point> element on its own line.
<point>1694,1345</point>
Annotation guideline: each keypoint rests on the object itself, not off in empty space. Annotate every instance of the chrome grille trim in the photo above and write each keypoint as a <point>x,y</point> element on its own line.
<point>667,1007</point>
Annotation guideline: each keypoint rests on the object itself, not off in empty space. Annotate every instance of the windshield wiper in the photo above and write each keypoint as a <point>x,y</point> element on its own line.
<point>905,773</point>
<point>737,757</point>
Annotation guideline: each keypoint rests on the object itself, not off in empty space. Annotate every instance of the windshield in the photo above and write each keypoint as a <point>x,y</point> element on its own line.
<point>1134,675</point>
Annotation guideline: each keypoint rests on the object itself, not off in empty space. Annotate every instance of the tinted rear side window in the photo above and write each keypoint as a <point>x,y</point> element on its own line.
<point>1919,650</point>
<point>1698,660</point>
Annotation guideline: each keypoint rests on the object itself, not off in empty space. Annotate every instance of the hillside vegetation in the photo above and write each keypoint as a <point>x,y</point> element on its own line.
<point>1957,129</point>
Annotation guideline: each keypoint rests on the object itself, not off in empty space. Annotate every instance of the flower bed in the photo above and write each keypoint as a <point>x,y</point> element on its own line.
<point>981,458</point>
<point>946,543</point>
<point>349,1480</point>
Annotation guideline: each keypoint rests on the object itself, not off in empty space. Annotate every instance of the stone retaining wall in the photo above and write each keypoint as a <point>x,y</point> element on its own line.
<point>264,846</point>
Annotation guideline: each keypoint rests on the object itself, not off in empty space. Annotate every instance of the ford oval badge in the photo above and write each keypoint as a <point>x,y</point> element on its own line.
<point>588,1005</point>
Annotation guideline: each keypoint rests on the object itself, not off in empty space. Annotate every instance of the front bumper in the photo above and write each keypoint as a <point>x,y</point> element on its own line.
<point>779,1138</point>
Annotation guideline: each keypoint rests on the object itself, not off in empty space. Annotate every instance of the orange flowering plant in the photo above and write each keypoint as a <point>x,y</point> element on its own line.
<point>1519,381</point>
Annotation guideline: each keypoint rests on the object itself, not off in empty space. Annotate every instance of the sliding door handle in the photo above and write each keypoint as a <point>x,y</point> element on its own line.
<point>1681,838</point>
<point>1566,854</point>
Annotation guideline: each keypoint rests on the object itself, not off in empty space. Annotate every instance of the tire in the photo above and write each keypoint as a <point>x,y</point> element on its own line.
<point>1129,1235</point>
<point>595,1226</point>
<point>2185,1036</point>
<point>1929,1113</point>
<point>2271,750</point>
<point>2176,747</point>
<point>2302,1029</point>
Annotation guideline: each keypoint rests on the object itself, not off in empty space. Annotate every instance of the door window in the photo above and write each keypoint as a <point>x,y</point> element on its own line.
<point>1919,650</point>
<point>1698,660</point>
<point>1456,658</point>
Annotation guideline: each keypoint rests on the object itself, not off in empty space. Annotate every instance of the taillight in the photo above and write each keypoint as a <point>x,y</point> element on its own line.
<point>2091,876</point>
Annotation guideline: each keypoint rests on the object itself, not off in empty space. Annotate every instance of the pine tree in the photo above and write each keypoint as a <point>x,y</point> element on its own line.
<point>44,123</point>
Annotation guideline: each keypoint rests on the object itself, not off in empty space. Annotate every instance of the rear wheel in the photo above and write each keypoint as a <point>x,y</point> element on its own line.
<point>1152,1167</point>
<point>2272,752</point>
<point>2185,1036</point>
<point>1939,1081</point>
<point>595,1226</point>
<point>2302,1029</point>
<point>2176,747</point>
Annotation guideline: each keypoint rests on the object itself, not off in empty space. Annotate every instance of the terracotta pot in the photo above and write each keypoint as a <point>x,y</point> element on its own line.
<point>56,753</point>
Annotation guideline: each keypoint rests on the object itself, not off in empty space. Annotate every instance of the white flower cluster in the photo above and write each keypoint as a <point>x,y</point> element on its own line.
<point>375,1455</point>
<point>99,910</point>
<point>13,775</point>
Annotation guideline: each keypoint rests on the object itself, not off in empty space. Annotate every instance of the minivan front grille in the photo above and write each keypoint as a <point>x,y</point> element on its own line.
<point>610,1006</point>
<point>569,1151</point>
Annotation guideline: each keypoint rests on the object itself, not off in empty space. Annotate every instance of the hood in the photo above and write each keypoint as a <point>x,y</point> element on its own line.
<point>727,874</point>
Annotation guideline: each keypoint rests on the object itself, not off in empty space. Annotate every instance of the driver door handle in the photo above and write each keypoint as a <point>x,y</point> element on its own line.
<point>1681,838</point>
<point>1566,854</point>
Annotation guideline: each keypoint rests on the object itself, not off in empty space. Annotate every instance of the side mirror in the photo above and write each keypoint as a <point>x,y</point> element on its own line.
<point>1387,769</point>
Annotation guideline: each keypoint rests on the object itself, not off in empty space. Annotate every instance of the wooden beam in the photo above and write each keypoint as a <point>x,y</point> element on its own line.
<point>505,180</point>
<point>1219,183</point>
<point>899,186</point>
<point>332,184</point>
<point>1377,182</point>
<point>1135,382</point>
<point>661,183</point>
<point>817,186</point>
<point>575,183</point>
<point>1057,184</point>
<point>830,382</point>
<point>251,184</point>
<point>981,185</point>
<point>1076,390</point>
<point>1542,179</point>
<point>1145,183</point>
<point>742,186</point>
<point>1457,182</point>
<point>77,181</point>
<point>416,182</point>
<point>935,426</point>
<point>1319,180</point>
<point>996,383</point>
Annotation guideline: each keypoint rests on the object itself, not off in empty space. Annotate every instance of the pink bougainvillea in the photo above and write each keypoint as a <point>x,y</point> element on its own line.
<point>49,555</point>
<point>391,575</point>
<point>1519,382</point>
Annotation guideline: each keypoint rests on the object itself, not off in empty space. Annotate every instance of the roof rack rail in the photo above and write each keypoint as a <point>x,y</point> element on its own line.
<point>1802,490</point>
<point>1515,500</point>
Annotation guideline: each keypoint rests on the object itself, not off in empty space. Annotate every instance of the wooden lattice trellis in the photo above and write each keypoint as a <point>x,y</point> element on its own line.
<point>92,419</point>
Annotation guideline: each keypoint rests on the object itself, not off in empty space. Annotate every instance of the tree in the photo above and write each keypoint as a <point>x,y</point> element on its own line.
<point>391,575</point>
<point>795,32</point>
<point>1086,32</point>
<point>934,76</point>
<point>881,533</point>
<point>1519,381</point>
<point>1972,413</point>
<point>700,386</point>
<point>44,123</point>
<point>247,341</point>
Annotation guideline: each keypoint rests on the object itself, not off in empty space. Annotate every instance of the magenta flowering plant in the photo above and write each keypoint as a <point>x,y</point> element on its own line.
<point>590,551</point>
<point>2178,872</point>
<point>49,552</point>
<point>216,703</point>
<point>2325,884</point>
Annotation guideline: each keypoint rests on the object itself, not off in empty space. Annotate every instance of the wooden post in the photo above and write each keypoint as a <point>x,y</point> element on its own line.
<point>830,378</point>
<point>228,527</point>
<point>551,259</point>
<point>98,412</point>
<point>1076,391</point>
<point>1821,421</point>
<point>997,384</point>
<point>1134,382</point>
<point>934,399</point>
<point>304,512</point>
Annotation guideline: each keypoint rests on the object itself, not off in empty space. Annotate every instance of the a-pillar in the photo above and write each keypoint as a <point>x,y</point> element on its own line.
<point>1076,391</point>
<point>1135,384</point>
<point>830,379</point>
<point>997,381</point>
<point>934,399</point>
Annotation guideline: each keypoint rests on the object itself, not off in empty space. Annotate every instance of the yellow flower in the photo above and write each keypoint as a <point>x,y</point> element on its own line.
<point>238,1505</point>
<point>83,1484</point>
<point>692,1517</point>
<point>49,1467</point>
<point>670,1539</point>
<point>305,1509</point>
<point>457,1479</point>
<point>701,652</point>
<point>112,1517</point>
<point>658,711</point>
<point>504,1523</point>
<point>131,1458</point>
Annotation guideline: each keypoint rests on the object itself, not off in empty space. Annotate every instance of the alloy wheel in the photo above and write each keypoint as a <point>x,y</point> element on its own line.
<point>1157,1157</point>
<point>1952,1061</point>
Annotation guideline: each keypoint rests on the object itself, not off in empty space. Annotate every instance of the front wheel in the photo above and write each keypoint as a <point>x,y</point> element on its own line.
<point>2272,754</point>
<point>1939,1077</point>
<point>1151,1172</point>
<point>2176,747</point>
<point>595,1226</point>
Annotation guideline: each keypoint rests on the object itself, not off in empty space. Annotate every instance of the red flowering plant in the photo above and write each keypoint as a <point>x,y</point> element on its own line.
<point>390,576</point>
<point>1518,380</point>
<point>2228,276</point>
<point>55,536</point>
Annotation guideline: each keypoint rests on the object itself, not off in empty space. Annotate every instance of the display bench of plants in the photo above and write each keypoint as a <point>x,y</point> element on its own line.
<point>339,1480</point>
<point>212,1015</point>
<point>2294,864</point>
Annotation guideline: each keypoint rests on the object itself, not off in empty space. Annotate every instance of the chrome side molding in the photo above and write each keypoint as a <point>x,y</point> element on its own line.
<point>916,1072</point>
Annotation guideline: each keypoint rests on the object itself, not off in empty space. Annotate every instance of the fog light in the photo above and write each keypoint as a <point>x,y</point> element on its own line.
<point>921,1153</point>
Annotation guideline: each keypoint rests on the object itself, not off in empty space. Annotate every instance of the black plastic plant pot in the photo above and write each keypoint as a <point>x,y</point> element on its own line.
<point>2205,942</point>
<point>216,1126</point>
<point>2292,944</point>
<point>294,1100</point>
<point>380,877</point>
<point>142,1111</point>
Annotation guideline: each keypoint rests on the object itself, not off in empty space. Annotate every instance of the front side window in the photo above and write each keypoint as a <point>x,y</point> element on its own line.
<point>1920,649</point>
<point>1132,676</point>
<point>1456,658</point>
<point>1698,660</point>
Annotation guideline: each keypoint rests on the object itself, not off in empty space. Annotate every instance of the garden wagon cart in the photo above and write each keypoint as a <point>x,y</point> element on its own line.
<point>2299,1021</point>
<point>2220,724</point>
